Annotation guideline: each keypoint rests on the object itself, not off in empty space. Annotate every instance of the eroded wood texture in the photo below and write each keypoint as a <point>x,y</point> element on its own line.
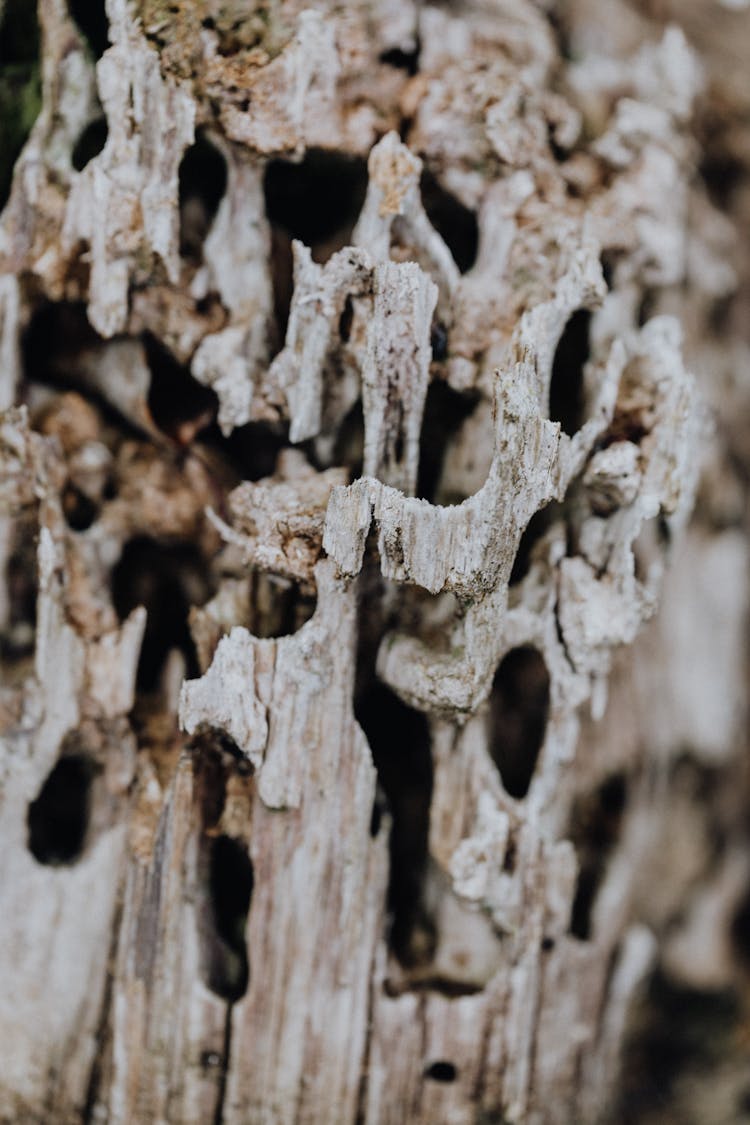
<point>358,370</point>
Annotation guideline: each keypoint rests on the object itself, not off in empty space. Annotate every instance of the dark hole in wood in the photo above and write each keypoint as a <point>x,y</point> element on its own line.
<point>58,817</point>
<point>722,315</point>
<point>227,747</point>
<point>17,642</point>
<point>318,199</point>
<point>230,873</point>
<point>179,405</point>
<point>346,318</point>
<point>398,446</point>
<point>90,143</point>
<point>55,334</point>
<point>664,532</point>
<point>559,23</point>
<point>53,349</point>
<point>445,411</point>
<point>441,1071</point>
<point>205,306</point>
<point>20,84</point>
<point>282,282</point>
<point>441,986</point>
<point>595,830</point>
<point>91,18</point>
<point>203,183</point>
<point>608,263</point>
<point>19,33</point>
<point>548,944</point>
<point>399,739</point>
<point>649,545</point>
<point>566,392</point>
<point>535,530</point>
<point>456,224</point>
<point>18,631</point>
<point>510,857</point>
<point>439,341</point>
<point>647,307</point>
<point>280,606</point>
<point>167,579</point>
<point>741,930</point>
<point>723,174</point>
<point>680,1032</point>
<point>400,59</point>
<point>225,756</point>
<point>559,152</point>
<point>79,510</point>
<point>211,771</point>
<point>349,449</point>
<point>376,818</point>
<point>519,704</point>
<point>250,450</point>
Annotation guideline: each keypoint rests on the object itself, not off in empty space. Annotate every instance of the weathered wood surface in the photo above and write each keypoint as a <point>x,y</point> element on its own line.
<point>349,437</point>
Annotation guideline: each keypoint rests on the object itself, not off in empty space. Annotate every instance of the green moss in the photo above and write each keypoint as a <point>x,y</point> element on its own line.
<point>20,102</point>
<point>20,84</point>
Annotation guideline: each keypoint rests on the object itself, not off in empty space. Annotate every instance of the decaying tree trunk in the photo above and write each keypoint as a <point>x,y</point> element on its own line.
<point>349,445</point>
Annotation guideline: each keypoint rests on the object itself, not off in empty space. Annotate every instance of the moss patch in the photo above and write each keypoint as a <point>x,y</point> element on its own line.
<point>20,85</point>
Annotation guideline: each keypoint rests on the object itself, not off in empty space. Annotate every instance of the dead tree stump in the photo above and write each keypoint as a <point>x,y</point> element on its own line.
<point>349,440</point>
